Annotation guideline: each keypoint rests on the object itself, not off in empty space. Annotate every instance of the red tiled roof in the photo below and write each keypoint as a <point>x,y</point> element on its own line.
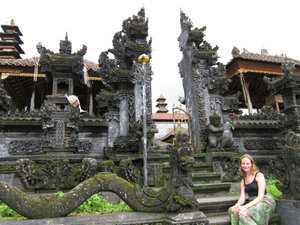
<point>169,116</point>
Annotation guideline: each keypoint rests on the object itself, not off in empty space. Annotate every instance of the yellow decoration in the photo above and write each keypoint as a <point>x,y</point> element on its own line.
<point>143,59</point>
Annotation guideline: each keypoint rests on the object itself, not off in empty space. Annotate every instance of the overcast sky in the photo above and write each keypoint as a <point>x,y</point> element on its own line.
<point>253,25</point>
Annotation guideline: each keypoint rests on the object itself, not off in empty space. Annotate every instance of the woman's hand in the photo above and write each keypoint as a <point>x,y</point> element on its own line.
<point>241,209</point>
<point>235,209</point>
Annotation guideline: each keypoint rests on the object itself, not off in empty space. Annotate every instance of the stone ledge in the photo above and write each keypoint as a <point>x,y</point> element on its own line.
<point>134,218</point>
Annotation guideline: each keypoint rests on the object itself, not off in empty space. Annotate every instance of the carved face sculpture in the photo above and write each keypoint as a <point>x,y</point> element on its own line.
<point>186,163</point>
<point>215,120</point>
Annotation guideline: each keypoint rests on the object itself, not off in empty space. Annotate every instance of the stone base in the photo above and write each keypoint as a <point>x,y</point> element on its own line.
<point>289,211</point>
<point>134,218</point>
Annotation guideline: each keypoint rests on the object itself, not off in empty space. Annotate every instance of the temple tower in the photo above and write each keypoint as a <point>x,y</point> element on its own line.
<point>161,105</point>
<point>10,42</point>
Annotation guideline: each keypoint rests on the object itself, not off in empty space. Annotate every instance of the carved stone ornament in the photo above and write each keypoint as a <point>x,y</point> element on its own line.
<point>287,167</point>
<point>25,148</point>
<point>54,174</point>
<point>263,144</point>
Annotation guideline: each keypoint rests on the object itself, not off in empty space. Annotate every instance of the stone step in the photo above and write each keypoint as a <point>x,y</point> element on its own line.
<point>225,220</point>
<point>206,177</point>
<point>215,206</point>
<point>197,167</point>
<point>203,167</point>
<point>210,188</point>
<point>219,220</point>
<point>199,158</point>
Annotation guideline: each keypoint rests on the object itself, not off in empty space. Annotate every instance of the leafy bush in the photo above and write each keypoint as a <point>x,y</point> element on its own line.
<point>5,212</point>
<point>97,204</point>
<point>271,187</point>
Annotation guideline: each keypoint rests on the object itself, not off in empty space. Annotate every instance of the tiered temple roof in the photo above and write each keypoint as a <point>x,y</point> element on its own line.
<point>10,42</point>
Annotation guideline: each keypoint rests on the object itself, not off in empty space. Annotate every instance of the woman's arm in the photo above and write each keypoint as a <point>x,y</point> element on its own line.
<point>261,182</point>
<point>241,201</point>
<point>242,198</point>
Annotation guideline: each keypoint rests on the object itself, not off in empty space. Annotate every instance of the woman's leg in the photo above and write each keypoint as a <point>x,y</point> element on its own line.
<point>259,214</point>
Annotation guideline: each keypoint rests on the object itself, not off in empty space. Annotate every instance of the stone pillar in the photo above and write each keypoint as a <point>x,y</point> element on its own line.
<point>91,104</point>
<point>123,117</point>
<point>32,100</point>
<point>113,128</point>
<point>138,101</point>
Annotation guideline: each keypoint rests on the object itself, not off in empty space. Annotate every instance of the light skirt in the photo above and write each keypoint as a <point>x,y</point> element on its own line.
<point>259,214</point>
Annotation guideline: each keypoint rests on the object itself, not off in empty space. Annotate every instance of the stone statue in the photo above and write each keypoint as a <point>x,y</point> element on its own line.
<point>227,138</point>
<point>219,135</point>
<point>215,131</point>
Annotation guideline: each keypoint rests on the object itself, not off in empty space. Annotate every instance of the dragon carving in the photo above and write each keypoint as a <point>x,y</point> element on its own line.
<point>176,196</point>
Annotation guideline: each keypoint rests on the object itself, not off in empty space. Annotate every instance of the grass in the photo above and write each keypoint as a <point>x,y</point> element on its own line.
<point>95,204</point>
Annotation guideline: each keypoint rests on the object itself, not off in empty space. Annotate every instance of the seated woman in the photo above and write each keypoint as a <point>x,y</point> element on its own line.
<point>260,205</point>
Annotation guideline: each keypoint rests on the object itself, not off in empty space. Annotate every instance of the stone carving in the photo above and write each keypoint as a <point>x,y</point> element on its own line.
<point>288,86</point>
<point>287,167</point>
<point>129,172</point>
<point>4,99</point>
<point>263,144</point>
<point>61,129</point>
<point>229,169</point>
<point>50,62</point>
<point>106,166</point>
<point>200,78</point>
<point>215,131</point>
<point>219,82</point>
<point>177,196</point>
<point>25,147</point>
<point>266,113</point>
<point>53,174</point>
<point>219,135</point>
<point>123,77</point>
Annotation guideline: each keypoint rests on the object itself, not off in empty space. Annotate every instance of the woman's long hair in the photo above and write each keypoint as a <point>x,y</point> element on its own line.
<point>253,165</point>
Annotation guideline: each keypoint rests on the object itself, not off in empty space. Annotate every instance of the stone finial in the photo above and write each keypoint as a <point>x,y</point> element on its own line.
<point>264,51</point>
<point>65,46</point>
<point>12,22</point>
<point>235,52</point>
<point>245,50</point>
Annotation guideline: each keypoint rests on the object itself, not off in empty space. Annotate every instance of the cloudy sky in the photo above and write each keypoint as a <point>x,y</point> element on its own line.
<point>253,25</point>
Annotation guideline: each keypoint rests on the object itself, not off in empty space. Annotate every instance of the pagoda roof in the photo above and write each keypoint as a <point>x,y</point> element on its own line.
<point>15,35</point>
<point>11,27</point>
<point>14,43</point>
<point>161,97</point>
<point>13,53</point>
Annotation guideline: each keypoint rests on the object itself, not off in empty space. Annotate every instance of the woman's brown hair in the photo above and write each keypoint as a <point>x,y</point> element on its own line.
<point>253,165</point>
